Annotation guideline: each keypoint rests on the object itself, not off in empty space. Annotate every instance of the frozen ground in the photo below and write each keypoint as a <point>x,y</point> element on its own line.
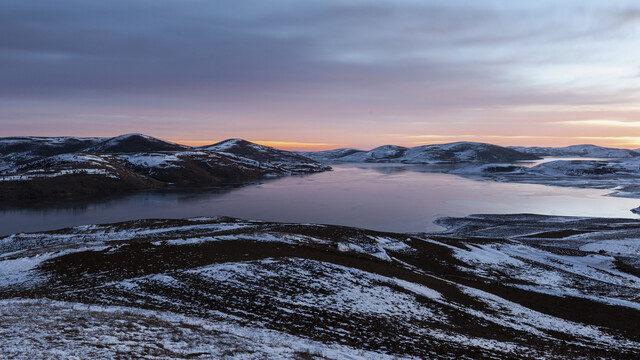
<point>41,329</point>
<point>619,175</point>
<point>494,287</point>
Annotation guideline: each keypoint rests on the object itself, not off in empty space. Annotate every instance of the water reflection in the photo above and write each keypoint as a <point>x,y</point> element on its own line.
<point>394,168</point>
<point>392,197</point>
<point>83,203</point>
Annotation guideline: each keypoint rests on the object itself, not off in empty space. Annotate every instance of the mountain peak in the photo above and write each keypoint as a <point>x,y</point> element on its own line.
<point>244,148</point>
<point>134,142</point>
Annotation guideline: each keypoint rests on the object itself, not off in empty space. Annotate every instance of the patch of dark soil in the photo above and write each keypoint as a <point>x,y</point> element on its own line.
<point>559,250</point>
<point>627,268</point>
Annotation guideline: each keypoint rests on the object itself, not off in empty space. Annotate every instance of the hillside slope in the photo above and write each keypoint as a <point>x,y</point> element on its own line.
<point>593,151</point>
<point>51,167</point>
<point>223,287</point>
<point>426,154</point>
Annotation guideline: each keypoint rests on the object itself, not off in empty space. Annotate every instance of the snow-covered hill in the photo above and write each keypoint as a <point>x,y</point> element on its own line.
<point>20,150</point>
<point>619,175</point>
<point>134,143</point>
<point>592,151</point>
<point>330,155</point>
<point>426,154</point>
<point>492,287</point>
<point>463,152</point>
<point>261,153</point>
<point>41,167</point>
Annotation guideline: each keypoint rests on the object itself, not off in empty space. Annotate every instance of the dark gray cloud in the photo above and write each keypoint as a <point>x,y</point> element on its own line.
<point>116,46</point>
<point>254,58</point>
<point>200,45</point>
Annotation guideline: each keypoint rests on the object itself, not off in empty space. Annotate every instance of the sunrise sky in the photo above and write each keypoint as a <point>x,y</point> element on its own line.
<point>307,74</point>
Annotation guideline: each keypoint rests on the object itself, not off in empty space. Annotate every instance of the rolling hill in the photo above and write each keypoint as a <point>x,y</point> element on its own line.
<point>491,287</point>
<point>53,167</point>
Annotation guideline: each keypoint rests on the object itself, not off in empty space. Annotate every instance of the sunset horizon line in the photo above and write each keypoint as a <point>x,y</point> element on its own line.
<point>313,146</point>
<point>620,142</point>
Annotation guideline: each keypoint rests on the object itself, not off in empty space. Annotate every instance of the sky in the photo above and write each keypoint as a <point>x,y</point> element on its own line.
<point>323,74</point>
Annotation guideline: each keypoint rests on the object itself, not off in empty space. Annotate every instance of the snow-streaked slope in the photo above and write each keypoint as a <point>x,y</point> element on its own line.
<point>263,154</point>
<point>578,150</point>
<point>620,175</point>
<point>330,155</point>
<point>594,259</point>
<point>58,329</point>
<point>581,167</point>
<point>441,153</point>
<point>249,289</point>
<point>17,151</point>
<point>134,143</point>
<point>45,146</point>
<point>46,167</point>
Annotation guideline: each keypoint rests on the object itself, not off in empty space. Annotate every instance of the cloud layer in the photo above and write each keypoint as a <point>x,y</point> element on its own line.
<point>355,73</point>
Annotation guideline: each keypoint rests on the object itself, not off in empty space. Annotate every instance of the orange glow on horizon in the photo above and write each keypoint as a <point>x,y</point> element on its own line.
<point>299,146</point>
<point>597,126</point>
<point>621,142</point>
<point>284,145</point>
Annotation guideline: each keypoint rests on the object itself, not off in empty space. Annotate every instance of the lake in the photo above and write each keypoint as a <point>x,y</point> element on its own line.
<point>390,197</point>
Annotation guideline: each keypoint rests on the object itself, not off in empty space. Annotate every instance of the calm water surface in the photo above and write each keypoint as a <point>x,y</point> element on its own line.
<point>390,197</point>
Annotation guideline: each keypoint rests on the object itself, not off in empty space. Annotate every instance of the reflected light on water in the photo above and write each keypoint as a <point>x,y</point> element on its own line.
<point>388,197</point>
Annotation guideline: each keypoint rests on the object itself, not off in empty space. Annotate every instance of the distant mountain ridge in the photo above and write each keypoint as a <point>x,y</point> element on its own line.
<point>584,150</point>
<point>35,167</point>
<point>425,154</point>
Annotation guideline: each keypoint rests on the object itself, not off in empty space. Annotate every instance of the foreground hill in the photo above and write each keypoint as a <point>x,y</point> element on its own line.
<point>578,151</point>
<point>492,287</point>
<point>440,153</point>
<point>44,167</point>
